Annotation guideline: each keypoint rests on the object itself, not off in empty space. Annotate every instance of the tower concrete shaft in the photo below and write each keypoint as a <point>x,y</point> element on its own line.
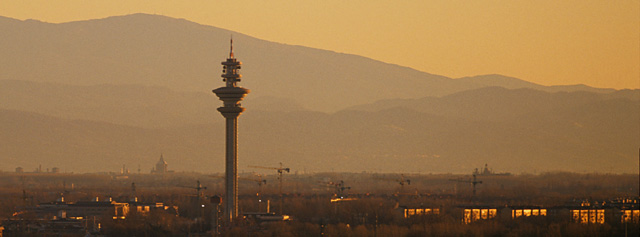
<point>231,95</point>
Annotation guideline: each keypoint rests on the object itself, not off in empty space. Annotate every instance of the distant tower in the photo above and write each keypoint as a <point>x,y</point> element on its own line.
<point>161,167</point>
<point>231,95</point>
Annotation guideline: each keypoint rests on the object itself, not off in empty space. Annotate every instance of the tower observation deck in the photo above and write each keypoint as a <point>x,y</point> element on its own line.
<point>231,95</point>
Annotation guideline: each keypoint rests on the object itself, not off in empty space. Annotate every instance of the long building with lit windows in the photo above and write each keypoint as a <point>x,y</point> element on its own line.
<point>415,211</point>
<point>585,212</point>
<point>524,211</point>
<point>476,213</point>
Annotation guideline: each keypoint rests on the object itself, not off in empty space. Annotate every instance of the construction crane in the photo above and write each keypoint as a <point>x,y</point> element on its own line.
<point>280,171</point>
<point>260,182</point>
<point>198,189</point>
<point>339,187</point>
<point>474,182</point>
<point>338,195</point>
<point>402,181</point>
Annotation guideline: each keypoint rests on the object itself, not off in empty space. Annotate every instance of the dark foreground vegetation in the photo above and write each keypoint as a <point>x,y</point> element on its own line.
<point>371,204</point>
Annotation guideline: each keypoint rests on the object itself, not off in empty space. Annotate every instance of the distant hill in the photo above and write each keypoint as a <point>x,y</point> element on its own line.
<point>152,50</point>
<point>94,95</point>
<point>515,83</point>
<point>588,133</point>
<point>132,105</point>
<point>500,104</point>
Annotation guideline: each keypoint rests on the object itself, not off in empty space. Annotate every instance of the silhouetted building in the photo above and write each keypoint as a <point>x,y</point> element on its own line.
<point>145,207</point>
<point>80,210</point>
<point>161,167</point>
<point>487,172</point>
<point>629,209</point>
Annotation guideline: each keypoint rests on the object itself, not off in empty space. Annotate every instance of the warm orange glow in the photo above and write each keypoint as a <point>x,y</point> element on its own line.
<point>632,216</point>
<point>471,215</point>
<point>342,199</point>
<point>420,211</point>
<point>592,42</point>
<point>515,213</point>
<point>592,216</point>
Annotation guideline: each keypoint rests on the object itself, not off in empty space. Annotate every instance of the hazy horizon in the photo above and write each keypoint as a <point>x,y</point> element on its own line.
<point>145,81</point>
<point>548,43</point>
<point>351,118</point>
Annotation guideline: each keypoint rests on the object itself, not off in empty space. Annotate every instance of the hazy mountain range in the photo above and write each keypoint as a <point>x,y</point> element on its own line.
<point>94,95</point>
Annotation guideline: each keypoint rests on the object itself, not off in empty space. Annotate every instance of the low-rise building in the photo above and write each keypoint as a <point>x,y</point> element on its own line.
<point>524,211</point>
<point>145,207</point>
<point>412,211</point>
<point>476,213</point>
<point>81,210</point>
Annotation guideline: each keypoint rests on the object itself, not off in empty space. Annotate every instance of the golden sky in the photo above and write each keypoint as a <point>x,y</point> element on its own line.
<point>592,42</point>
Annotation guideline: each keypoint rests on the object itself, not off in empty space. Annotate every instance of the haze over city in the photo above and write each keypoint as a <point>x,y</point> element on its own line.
<point>359,118</point>
<point>444,86</point>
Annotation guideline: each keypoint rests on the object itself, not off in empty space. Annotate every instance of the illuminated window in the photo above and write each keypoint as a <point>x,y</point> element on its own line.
<point>584,216</point>
<point>475,214</point>
<point>600,217</point>
<point>592,216</point>
<point>526,212</point>
<point>535,212</point>
<point>420,211</point>
<point>467,216</point>
<point>484,213</point>
<point>493,213</point>
<point>627,216</point>
<point>471,215</point>
<point>518,213</point>
<point>543,212</point>
<point>630,216</point>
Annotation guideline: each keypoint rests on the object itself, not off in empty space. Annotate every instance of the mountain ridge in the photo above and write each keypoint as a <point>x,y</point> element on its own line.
<point>581,136</point>
<point>179,54</point>
<point>93,95</point>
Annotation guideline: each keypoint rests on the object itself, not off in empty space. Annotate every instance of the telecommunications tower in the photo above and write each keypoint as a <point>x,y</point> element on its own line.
<point>231,95</point>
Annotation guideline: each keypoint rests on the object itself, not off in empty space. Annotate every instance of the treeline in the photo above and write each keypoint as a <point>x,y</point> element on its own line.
<point>373,208</point>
